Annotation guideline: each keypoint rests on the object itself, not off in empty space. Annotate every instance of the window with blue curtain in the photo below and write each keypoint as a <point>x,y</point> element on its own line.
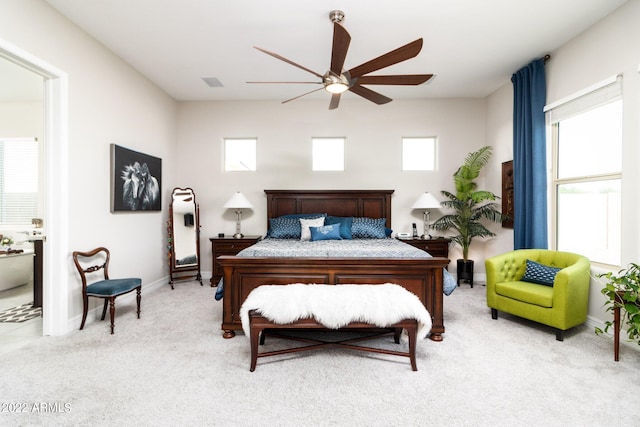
<point>587,172</point>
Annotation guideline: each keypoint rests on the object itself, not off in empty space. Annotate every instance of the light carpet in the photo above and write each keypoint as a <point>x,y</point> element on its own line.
<point>172,367</point>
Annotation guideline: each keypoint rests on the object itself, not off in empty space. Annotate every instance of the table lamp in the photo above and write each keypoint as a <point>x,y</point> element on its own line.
<point>238,202</point>
<point>426,201</point>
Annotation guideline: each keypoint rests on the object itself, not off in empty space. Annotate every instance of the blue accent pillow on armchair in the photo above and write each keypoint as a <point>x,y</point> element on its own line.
<point>540,273</point>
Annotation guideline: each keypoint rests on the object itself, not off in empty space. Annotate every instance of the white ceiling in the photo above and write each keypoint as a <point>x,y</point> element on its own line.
<point>473,47</point>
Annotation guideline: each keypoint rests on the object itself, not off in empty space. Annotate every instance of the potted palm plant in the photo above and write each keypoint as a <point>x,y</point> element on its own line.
<point>622,291</point>
<point>470,207</point>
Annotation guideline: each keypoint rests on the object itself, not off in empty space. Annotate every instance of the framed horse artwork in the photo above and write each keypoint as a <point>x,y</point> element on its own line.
<point>136,181</point>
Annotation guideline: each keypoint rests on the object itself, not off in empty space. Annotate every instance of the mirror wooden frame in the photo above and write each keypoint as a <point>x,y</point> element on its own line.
<point>184,207</point>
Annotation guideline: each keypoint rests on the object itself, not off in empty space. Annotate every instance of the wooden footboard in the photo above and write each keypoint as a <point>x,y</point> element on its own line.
<point>422,276</point>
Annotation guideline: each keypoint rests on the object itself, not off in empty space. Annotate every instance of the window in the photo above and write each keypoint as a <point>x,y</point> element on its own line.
<point>240,154</point>
<point>587,174</point>
<point>419,154</point>
<point>327,154</point>
<point>18,180</point>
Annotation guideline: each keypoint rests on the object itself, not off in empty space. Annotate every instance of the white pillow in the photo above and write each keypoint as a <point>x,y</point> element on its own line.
<point>305,233</point>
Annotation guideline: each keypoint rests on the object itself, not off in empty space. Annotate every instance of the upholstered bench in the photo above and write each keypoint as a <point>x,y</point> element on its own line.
<point>388,307</point>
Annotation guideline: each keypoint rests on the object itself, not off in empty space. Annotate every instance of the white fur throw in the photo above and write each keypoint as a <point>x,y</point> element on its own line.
<point>335,306</point>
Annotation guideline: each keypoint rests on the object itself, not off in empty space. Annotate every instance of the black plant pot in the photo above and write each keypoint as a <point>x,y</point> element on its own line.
<point>465,271</point>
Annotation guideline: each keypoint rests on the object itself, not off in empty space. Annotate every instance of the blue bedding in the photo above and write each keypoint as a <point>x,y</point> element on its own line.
<point>360,248</point>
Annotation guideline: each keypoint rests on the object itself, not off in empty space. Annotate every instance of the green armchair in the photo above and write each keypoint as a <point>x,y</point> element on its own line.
<point>561,306</point>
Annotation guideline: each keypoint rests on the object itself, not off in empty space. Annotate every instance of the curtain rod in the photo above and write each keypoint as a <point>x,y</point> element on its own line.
<point>546,58</point>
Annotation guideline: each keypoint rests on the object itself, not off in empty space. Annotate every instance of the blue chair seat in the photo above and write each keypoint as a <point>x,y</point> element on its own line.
<point>113,287</point>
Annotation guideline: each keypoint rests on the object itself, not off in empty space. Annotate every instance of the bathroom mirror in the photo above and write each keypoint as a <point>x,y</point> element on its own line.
<point>184,236</point>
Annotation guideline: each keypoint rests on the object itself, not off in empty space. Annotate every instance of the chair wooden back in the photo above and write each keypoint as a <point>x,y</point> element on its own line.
<point>92,262</point>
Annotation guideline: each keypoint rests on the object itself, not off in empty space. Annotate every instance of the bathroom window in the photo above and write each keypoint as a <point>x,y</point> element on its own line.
<point>18,180</point>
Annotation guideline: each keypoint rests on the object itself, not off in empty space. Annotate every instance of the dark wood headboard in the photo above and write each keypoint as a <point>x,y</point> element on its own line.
<point>361,203</point>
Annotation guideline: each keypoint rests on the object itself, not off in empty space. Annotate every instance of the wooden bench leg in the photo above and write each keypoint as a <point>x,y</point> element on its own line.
<point>255,337</point>
<point>396,335</point>
<point>412,331</point>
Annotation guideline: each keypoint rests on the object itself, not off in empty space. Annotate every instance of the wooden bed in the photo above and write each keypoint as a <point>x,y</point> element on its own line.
<point>423,277</point>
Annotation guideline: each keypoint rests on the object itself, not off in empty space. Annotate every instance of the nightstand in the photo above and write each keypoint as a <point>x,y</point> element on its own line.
<point>227,246</point>
<point>437,247</point>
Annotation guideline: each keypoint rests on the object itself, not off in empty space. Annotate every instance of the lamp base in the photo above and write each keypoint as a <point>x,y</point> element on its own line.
<point>238,236</point>
<point>426,236</point>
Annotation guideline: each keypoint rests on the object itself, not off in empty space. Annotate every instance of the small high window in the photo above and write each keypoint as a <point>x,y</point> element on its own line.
<point>327,154</point>
<point>240,154</point>
<point>419,154</point>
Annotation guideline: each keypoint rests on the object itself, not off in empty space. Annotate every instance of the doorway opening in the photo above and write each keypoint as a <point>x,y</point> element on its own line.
<point>54,160</point>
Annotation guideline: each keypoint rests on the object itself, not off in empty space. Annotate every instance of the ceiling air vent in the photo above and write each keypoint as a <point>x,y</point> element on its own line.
<point>212,81</point>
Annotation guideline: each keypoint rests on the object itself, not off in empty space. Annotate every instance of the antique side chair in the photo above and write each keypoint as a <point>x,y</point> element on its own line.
<point>89,265</point>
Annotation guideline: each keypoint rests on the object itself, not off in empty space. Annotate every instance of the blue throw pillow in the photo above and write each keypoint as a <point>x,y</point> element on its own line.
<point>282,220</point>
<point>288,226</point>
<point>326,232</point>
<point>368,228</point>
<point>539,273</point>
<point>284,228</point>
<point>345,225</point>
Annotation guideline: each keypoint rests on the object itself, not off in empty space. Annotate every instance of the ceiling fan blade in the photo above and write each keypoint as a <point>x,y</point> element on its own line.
<point>341,41</point>
<point>401,79</point>
<point>300,96</point>
<point>282,58</point>
<point>335,101</point>
<point>400,54</point>
<point>297,83</point>
<point>369,94</point>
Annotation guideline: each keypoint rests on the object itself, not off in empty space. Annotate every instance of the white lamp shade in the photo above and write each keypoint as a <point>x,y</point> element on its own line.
<point>426,201</point>
<point>238,201</point>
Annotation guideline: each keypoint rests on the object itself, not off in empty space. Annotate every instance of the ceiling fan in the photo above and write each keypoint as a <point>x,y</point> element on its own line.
<point>337,80</point>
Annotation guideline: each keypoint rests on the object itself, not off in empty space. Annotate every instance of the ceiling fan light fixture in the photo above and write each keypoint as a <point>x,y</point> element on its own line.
<point>336,87</point>
<point>335,84</point>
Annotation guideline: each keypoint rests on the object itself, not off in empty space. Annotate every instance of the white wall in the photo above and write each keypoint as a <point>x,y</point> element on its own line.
<point>500,137</point>
<point>109,102</point>
<point>21,119</point>
<point>373,153</point>
<point>610,47</point>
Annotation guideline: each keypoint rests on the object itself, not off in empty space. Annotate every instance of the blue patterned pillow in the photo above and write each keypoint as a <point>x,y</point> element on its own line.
<point>326,232</point>
<point>539,273</point>
<point>284,228</point>
<point>345,225</point>
<point>288,226</point>
<point>368,228</point>
<point>292,216</point>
